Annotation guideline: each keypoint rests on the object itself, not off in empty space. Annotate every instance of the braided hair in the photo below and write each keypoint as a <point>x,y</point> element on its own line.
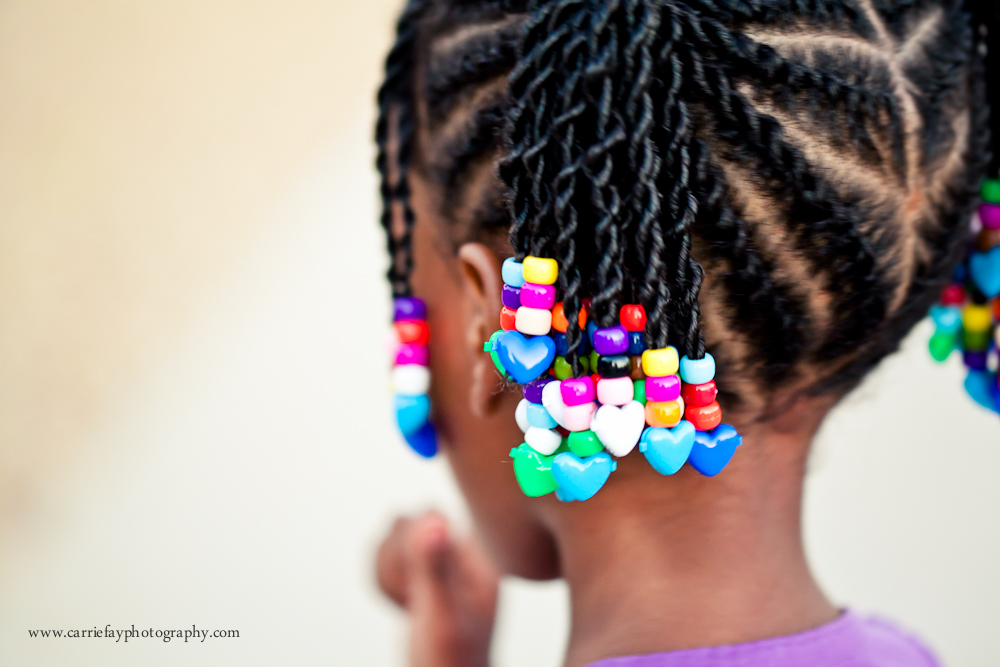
<point>801,171</point>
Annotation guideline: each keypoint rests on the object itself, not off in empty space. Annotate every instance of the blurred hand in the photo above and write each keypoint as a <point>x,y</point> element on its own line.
<point>447,586</point>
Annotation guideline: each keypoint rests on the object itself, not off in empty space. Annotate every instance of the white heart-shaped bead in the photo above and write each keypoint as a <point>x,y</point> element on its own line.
<point>521,415</point>
<point>411,380</point>
<point>552,401</point>
<point>542,440</point>
<point>619,429</point>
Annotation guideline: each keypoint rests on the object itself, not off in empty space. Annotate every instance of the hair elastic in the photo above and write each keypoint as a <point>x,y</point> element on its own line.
<point>575,427</point>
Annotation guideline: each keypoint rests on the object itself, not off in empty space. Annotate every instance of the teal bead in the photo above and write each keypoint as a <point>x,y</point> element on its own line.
<point>512,272</point>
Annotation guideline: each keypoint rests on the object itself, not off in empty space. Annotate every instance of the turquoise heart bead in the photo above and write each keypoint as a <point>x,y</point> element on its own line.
<point>525,358</point>
<point>412,412</point>
<point>667,449</point>
<point>713,449</point>
<point>985,270</point>
<point>698,371</point>
<point>580,478</point>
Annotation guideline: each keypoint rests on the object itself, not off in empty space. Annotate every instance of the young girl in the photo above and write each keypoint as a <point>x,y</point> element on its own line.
<point>781,186</point>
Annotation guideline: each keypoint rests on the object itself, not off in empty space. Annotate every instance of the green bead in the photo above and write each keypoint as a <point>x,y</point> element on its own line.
<point>990,191</point>
<point>563,447</point>
<point>584,443</point>
<point>489,347</point>
<point>533,471</point>
<point>586,365</point>
<point>562,368</point>
<point>593,358</point>
<point>941,345</point>
<point>977,341</point>
<point>639,393</point>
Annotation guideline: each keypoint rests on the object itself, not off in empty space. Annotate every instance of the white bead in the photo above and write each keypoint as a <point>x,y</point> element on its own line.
<point>619,429</point>
<point>542,440</point>
<point>533,321</point>
<point>552,400</point>
<point>411,380</point>
<point>521,414</point>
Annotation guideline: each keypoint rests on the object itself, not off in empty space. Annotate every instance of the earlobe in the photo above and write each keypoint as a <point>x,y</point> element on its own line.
<point>481,288</point>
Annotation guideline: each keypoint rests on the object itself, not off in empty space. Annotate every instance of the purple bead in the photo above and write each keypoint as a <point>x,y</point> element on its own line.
<point>613,340</point>
<point>408,308</point>
<point>510,297</point>
<point>990,215</point>
<point>663,388</point>
<point>577,391</point>
<point>976,360</point>
<point>410,353</point>
<point>542,297</point>
<point>533,390</point>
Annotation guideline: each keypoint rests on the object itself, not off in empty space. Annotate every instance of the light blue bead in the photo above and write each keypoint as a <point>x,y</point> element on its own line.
<point>667,449</point>
<point>412,412</point>
<point>539,417</point>
<point>985,269</point>
<point>947,320</point>
<point>512,272</point>
<point>580,478</point>
<point>698,371</point>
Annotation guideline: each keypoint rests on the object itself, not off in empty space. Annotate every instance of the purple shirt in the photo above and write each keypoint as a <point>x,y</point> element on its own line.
<point>849,641</point>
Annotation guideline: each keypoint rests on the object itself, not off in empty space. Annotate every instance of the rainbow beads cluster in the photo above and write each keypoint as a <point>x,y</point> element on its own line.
<point>967,318</point>
<point>411,379</point>
<point>575,428</point>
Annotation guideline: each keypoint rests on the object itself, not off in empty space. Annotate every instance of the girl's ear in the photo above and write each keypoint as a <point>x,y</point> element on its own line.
<point>481,284</point>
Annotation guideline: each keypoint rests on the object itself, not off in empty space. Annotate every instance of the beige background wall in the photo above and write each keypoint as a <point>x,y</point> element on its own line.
<point>187,237</point>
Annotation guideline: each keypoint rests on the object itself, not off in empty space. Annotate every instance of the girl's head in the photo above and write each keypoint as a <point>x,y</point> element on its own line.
<point>785,184</point>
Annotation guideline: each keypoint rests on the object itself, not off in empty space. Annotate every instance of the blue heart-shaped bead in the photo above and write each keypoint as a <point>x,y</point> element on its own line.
<point>981,386</point>
<point>985,270</point>
<point>946,319</point>
<point>424,441</point>
<point>667,449</point>
<point>713,449</point>
<point>525,358</point>
<point>580,478</point>
<point>412,412</point>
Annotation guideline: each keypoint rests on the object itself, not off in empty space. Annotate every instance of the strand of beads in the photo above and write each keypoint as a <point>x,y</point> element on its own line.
<point>574,426</point>
<point>967,317</point>
<point>411,379</point>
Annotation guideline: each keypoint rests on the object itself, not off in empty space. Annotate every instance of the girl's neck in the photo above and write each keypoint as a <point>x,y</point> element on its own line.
<point>666,564</point>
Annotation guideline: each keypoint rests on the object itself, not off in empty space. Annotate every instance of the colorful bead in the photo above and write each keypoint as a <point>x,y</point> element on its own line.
<point>612,340</point>
<point>552,400</point>
<point>412,354</point>
<point>577,417</point>
<point>660,362</point>
<point>636,344</point>
<point>989,214</point>
<point>662,388</point>
<point>542,440</point>
<point>664,414</point>
<point>532,391</point>
<point>975,359</point>
<point>953,295</point>
<point>697,371</point>
<point>521,415</point>
<point>423,441</point>
<point>525,358</point>
<point>540,270</point>
<point>584,443</point>
<point>704,417</point>
<point>976,340</point>
<point>576,391</point>
<point>591,328</point>
<point>508,319</point>
<point>594,359</point>
<point>615,391</point>
<point>946,319</point>
<point>512,272</point>
<point>533,321</point>
<point>561,369</point>
<point>989,191</point>
<point>635,368</point>
<point>639,391</point>
<point>559,321</point>
<point>713,450</point>
<point>987,239</point>
<point>580,478</point>
<point>614,366</point>
<point>538,296</point>
<point>408,308</point>
<point>412,331</point>
<point>984,267</point>
<point>562,343</point>
<point>942,344</point>
<point>411,380</point>
<point>667,449</point>
<point>977,317</point>
<point>510,297</point>
<point>491,347</point>
<point>412,412</point>
<point>632,317</point>
<point>697,395</point>
<point>539,417</point>
<point>619,428</point>
<point>533,471</point>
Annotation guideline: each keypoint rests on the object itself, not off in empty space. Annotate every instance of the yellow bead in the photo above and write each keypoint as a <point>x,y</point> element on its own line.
<point>540,271</point>
<point>660,362</point>
<point>977,318</point>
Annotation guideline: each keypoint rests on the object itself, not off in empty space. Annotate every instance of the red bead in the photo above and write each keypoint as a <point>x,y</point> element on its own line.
<point>698,395</point>
<point>953,295</point>
<point>633,317</point>
<point>507,319</point>
<point>996,308</point>
<point>412,331</point>
<point>704,417</point>
<point>596,378</point>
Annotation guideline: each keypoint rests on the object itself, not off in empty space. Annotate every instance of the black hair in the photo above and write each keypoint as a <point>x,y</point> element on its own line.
<point>819,157</point>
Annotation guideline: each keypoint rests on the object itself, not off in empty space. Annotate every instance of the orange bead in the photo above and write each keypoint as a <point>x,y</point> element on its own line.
<point>704,417</point>
<point>412,331</point>
<point>665,414</point>
<point>696,395</point>
<point>559,321</point>
<point>508,319</point>
<point>632,317</point>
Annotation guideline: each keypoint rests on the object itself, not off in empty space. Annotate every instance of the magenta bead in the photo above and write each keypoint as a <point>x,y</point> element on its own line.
<point>408,308</point>
<point>613,340</point>
<point>542,297</point>
<point>577,391</point>
<point>533,390</point>
<point>663,388</point>
<point>410,353</point>
<point>510,297</point>
<point>990,215</point>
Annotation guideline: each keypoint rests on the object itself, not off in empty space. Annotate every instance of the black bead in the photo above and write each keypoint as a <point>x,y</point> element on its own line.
<point>614,366</point>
